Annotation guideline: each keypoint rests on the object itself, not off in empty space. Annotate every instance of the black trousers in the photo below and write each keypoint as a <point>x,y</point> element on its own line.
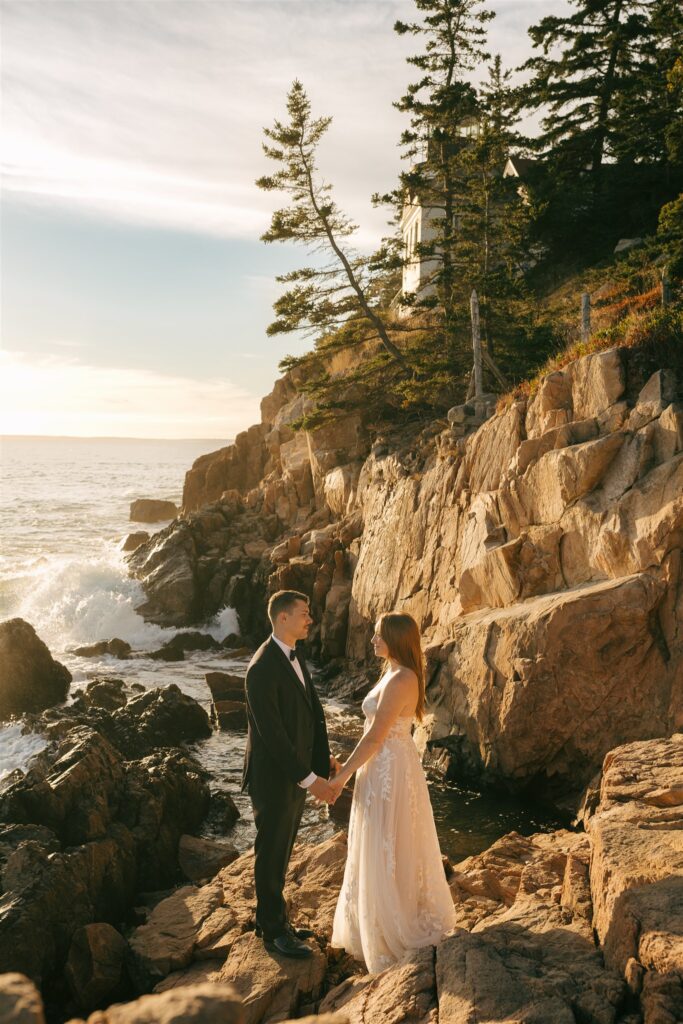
<point>277,815</point>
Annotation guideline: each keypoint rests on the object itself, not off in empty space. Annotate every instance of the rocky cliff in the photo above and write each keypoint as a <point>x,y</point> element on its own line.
<point>540,554</point>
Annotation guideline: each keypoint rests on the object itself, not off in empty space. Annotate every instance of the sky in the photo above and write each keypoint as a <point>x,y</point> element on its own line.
<point>134,290</point>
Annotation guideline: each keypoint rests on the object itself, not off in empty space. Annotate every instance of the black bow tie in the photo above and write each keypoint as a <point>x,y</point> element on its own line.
<point>292,655</point>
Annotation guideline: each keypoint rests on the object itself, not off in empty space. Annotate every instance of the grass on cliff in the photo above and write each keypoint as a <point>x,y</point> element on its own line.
<point>627,312</point>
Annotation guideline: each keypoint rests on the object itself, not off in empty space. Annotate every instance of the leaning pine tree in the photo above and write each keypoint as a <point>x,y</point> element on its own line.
<point>336,300</point>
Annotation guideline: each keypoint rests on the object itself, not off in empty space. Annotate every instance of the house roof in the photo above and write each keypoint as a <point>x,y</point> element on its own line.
<point>518,166</point>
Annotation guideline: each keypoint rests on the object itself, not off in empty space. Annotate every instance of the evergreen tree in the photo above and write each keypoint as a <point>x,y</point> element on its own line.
<point>490,243</point>
<point>649,115</point>
<point>588,65</point>
<point>443,110</point>
<point>339,291</point>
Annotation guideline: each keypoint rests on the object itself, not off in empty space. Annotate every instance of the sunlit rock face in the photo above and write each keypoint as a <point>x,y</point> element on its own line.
<point>539,553</point>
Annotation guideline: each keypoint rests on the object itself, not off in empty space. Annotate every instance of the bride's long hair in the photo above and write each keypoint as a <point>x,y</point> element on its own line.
<point>401,635</point>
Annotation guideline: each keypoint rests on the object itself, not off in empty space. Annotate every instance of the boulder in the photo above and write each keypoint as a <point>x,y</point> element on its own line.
<point>117,648</point>
<point>538,692</point>
<point>626,244</point>
<point>167,940</point>
<point>80,794</point>
<point>223,811</point>
<point>213,1003</point>
<point>597,382</point>
<point>152,510</point>
<point>167,566</point>
<point>271,987</point>
<point>163,717</point>
<point>405,994</point>
<point>192,640</point>
<point>225,686</point>
<point>107,694</point>
<point>134,540</point>
<point>229,714</point>
<point>636,871</point>
<point>95,967</point>
<point>20,1001</point>
<point>195,925</point>
<point>30,678</point>
<point>201,859</point>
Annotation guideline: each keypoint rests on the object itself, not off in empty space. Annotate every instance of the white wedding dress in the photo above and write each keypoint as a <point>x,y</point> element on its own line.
<point>394,897</point>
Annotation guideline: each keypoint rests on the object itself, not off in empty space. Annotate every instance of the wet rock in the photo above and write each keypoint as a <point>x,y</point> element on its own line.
<point>151,510</point>
<point>133,719</point>
<point>117,648</point>
<point>119,823</point>
<point>191,641</point>
<point>12,836</point>
<point>164,716</point>
<point>134,540</point>
<point>168,566</point>
<point>229,714</point>
<point>20,1001</point>
<point>223,811</point>
<point>168,654</point>
<point>30,678</point>
<point>80,794</point>
<point>108,694</point>
<point>201,859</point>
<point>95,968</point>
<point>167,794</point>
<point>226,686</point>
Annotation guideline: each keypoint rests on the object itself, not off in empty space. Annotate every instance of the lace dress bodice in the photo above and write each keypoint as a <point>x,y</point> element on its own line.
<point>402,727</point>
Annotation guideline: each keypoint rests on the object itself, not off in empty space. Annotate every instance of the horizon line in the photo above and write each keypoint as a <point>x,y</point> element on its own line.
<point>104,437</point>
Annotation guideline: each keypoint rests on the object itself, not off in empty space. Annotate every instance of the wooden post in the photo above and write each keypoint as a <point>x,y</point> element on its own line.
<point>476,345</point>
<point>585,317</point>
<point>666,288</point>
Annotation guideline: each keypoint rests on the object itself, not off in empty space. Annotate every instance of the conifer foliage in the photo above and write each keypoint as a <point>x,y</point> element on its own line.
<point>328,295</point>
<point>587,69</point>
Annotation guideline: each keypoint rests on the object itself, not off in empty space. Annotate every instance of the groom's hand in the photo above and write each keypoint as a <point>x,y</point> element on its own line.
<point>322,790</point>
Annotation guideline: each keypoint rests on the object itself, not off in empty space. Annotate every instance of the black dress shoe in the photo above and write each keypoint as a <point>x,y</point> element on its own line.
<point>300,933</point>
<point>288,945</point>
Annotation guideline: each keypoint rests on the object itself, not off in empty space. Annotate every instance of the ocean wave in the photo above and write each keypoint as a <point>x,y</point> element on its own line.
<point>17,748</point>
<point>72,601</point>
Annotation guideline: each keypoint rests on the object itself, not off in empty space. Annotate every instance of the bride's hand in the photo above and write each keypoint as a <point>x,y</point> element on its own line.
<point>337,782</point>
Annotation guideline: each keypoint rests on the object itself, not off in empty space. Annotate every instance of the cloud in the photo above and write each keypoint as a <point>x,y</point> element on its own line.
<point>57,395</point>
<point>151,111</point>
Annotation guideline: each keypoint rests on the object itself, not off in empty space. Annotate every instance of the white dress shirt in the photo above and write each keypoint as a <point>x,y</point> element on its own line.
<point>296,665</point>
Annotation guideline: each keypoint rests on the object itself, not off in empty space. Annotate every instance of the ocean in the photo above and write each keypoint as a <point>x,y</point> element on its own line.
<point>64,512</point>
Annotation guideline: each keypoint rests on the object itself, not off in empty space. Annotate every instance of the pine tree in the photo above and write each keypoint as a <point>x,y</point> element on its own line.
<point>335,293</point>
<point>588,64</point>
<point>649,115</point>
<point>443,109</point>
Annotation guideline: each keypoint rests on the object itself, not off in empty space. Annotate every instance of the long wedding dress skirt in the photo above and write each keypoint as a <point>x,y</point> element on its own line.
<point>394,897</point>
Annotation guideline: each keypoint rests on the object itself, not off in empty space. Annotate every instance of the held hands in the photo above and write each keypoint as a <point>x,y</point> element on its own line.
<point>322,790</point>
<point>325,791</point>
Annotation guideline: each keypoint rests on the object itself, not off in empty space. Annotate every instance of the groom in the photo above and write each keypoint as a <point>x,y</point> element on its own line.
<point>287,755</point>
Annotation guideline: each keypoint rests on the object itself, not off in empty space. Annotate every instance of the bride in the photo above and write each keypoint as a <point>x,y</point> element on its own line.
<point>394,896</point>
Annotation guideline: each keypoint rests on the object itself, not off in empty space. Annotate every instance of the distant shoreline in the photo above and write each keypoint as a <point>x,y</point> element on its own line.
<point>110,437</point>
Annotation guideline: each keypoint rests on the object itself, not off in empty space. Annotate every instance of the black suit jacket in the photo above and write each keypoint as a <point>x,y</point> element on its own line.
<point>286,732</point>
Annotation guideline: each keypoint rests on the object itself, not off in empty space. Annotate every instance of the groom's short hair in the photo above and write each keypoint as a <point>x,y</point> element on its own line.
<point>283,601</point>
